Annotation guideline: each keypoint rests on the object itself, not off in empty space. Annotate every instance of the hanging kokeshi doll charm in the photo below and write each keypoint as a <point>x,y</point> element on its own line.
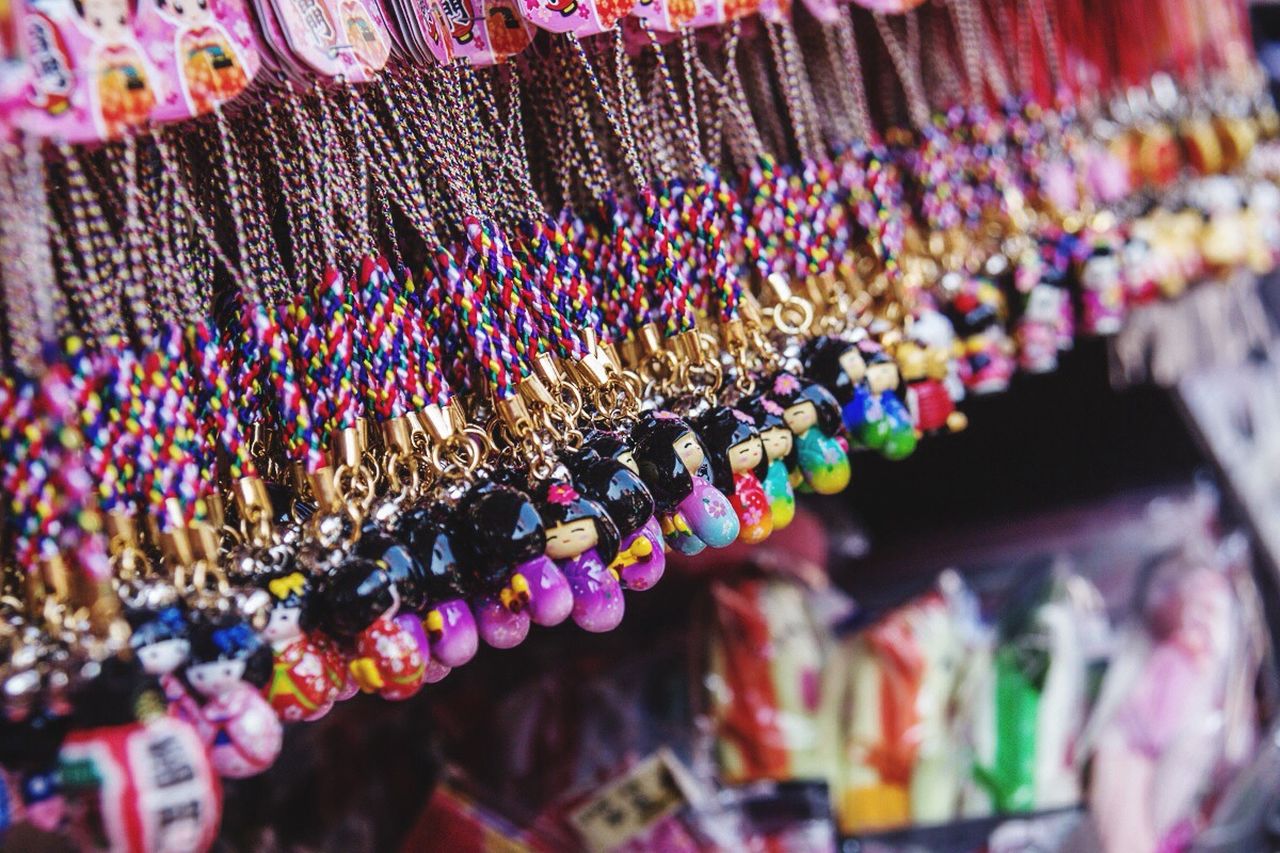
<point>924,370</point>
<point>1102,291</point>
<point>583,541</point>
<point>498,532</point>
<point>440,598</point>
<point>779,446</point>
<point>390,551</point>
<point>607,473</point>
<point>673,465</point>
<point>160,636</point>
<point>384,653</point>
<point>228,667</point>
<point>738,466</point>
<point>1037,330</point>
<point>307,674</point>
<point>813,415</point>
<point>977,308</point>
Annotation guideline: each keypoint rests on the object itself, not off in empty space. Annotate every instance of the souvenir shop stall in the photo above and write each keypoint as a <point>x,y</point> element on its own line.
<point>554,425</point>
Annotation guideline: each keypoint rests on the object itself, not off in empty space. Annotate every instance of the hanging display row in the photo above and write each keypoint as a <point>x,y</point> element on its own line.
<point>341,337</point>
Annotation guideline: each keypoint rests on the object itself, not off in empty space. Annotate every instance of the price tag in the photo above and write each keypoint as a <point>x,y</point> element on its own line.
<point>634,803</point>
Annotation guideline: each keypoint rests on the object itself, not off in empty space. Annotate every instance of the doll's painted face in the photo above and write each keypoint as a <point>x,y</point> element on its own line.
<point>190,12</point>
<point>628,458</point>
<point>571,539</point>
<point>283,624</point>
<point>216,677</point>
<point>109,19</point>
<point>853,365</point>
<point>801,417</point>
<point>690,452</point>
<point>746,455</point>
<point>882,377</point>
<point>163,657</point>
<point>777,442</point>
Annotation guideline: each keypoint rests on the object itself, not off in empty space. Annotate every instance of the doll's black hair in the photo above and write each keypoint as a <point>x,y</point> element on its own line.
<point>293,588</point>
<point>496,528</point>
<point>721,429</point>
<point>225,636</point>
<point>425,532</point>
<point>562,503</point>
<point>664,473</point>
<point>787,390</point>
<point>355,595</point>
<point>619,489</point>
<point>391,552</point>
<point>821,360</point>
<point>768,415</point>
<point>155,625</point>
<point>604,444</point>
<point>764,410</point>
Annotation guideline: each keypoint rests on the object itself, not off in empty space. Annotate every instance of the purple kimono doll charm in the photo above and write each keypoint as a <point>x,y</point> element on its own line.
<point>607,478</point>
<point>583,541</point>
<point>438,595</point>
<point>501,539</point>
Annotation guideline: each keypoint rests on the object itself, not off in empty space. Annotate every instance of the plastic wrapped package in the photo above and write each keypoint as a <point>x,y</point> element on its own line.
<point>770,817</point>
<point>898,755</point>
<point>1176,715</point>
<point>1035,699</point>
<point>771,710</point>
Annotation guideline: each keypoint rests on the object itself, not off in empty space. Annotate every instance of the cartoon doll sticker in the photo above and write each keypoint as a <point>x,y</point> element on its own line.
<point>89,78</point>
<point>203,65</point>
<point>367,39</point>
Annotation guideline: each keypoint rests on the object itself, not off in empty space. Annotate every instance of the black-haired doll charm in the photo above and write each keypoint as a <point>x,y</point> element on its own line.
<point>160,639</point>
<point>390,550</point>
<point>583,541</point>
<point>778,441</point>
<point>228,666</point>
<point>386,649</point>
<point>814,418</point>
<point>737,465</point>
<point>502,543</point>
<point>616,485</point>
<point>865,381</point>
<point>673,465</point>
<point>307,673</point>
<point>440,599</point>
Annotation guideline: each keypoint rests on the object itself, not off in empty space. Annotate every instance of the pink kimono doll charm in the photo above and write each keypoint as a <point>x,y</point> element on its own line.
<point>229,664</point>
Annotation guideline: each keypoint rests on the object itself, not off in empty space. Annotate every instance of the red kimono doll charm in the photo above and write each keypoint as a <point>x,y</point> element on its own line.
<point>306,676</point>
<point>738,468</point>
<point>385,654</point>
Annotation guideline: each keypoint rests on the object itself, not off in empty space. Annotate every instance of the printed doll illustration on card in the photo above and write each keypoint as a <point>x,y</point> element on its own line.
<point>205,50</point>
<point>90,80</point>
